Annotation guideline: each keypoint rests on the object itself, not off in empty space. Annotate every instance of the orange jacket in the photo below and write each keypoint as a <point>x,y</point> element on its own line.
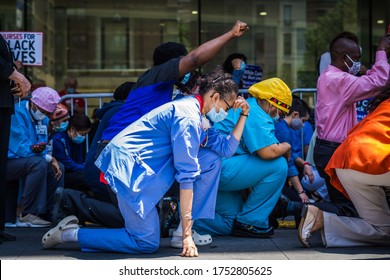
<point>366,148</point>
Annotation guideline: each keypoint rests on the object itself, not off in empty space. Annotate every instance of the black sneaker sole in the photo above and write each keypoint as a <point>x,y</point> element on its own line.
<point>264,235</point>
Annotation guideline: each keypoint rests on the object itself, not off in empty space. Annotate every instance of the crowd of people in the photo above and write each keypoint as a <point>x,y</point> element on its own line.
<point>235,165</point>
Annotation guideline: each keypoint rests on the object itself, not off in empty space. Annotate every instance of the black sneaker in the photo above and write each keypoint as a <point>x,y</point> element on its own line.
<point>280,210</point>
<point>244,230</point>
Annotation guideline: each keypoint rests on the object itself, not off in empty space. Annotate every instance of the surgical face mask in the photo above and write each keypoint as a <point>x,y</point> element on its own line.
<point>63,126</point>
<point>242,66</point>
<point>296,124</point>
<point>217,117</point>
<point>78,139</point>
<point>70,90</point>
<point>276,118</point>
<point>355,68</point>
<point>37,115</point>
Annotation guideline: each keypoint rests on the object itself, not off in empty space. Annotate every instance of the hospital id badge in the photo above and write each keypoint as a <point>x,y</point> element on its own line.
<point>41,129</point>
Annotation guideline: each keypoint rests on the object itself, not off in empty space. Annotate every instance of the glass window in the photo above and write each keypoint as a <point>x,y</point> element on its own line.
<point>105,43</point>
<point>287,14</point>
<point>115,44</point>
<point>301,41</point>
<point>287,44</point>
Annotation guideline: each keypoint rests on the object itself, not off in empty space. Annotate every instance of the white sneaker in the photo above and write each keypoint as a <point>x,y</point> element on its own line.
<point>31,220</point>
<point>199,240</point>
<point>16,224</point>
<point>11,225</point>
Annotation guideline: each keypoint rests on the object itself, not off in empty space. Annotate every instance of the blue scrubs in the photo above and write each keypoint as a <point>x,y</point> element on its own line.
<point>68,153</point>
<point>246,170</point>
<point>141,163</point>
<point>39,180</point>
<point>300,139</point>
<point>25,131</point>
<point>284,133</point>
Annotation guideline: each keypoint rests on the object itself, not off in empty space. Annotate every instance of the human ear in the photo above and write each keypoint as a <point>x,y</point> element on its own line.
<point>295,114</point>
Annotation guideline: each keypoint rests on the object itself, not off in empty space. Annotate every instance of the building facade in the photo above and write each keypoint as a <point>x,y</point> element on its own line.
<point>105,43</point>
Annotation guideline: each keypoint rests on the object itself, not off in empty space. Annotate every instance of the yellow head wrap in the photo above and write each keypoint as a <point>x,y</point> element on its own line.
<point>275,91</point>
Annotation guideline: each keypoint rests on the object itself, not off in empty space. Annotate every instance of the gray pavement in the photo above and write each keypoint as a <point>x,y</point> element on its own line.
<point>283,246</point>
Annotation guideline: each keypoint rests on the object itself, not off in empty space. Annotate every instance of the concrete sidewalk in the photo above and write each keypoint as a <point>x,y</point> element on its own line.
<point>283,246</point>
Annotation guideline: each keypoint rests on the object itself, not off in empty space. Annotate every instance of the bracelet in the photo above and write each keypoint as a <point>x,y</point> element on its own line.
<point>301,192</point>
<point>245,115</point>
<point>306,163</point>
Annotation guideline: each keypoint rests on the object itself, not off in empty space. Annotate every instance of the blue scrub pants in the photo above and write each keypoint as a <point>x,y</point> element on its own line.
<point>265,178</point>
<point>143,235</point>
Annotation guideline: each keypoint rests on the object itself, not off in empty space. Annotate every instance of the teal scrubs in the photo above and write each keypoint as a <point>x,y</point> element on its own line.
<point>247,170</point>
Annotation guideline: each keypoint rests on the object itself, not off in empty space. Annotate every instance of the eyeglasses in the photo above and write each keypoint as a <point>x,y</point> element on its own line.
<point>227,104</point>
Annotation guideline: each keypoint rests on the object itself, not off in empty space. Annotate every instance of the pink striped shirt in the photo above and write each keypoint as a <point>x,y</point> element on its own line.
<point>337,94</point>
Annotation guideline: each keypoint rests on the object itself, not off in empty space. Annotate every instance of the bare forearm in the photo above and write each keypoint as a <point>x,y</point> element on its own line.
<point>239,127</point>
<point>274,151</point>
<point>186,197</point>
<point>296,183</point>
<point>209,49</point>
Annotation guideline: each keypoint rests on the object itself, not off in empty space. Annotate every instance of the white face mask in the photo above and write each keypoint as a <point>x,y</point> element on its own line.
<point>355,68</point>
<point>37,115</point>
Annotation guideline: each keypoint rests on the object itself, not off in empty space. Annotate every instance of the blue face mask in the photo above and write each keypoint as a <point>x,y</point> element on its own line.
<point>63,126</point>
<point>70,90</point>
<point>296,124</point>
<point>78,139</point>
<point>242,66</point>
<point>217,117</point>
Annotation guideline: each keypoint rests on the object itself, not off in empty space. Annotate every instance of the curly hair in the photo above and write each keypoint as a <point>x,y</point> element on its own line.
<point>187,87</point>
<point>220,82</point>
